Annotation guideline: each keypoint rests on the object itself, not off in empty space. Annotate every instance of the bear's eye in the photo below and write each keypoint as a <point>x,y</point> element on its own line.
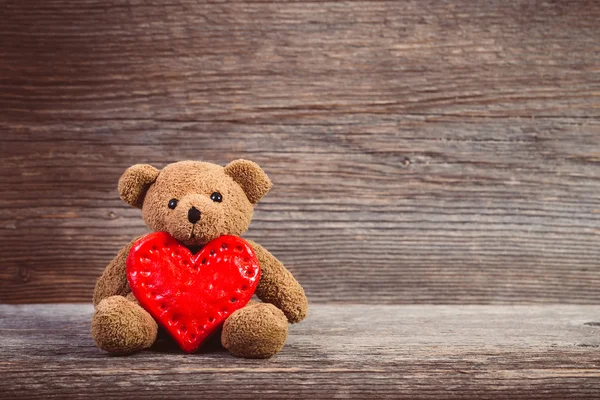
<point>216,197</point>
<point>173,203</point>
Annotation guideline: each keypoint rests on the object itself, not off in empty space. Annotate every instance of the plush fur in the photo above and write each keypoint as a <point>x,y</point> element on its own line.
<point>258,330</point>
<point>255,331</point>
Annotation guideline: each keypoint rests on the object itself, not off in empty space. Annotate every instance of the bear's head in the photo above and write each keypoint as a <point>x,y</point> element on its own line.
<point>194,201</point>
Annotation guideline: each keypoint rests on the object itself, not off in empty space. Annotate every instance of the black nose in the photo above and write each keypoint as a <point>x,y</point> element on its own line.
<point>194,215</point>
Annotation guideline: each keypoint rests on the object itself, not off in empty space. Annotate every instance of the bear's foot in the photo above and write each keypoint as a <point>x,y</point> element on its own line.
<point>121,326</point>
<point>258,330</point>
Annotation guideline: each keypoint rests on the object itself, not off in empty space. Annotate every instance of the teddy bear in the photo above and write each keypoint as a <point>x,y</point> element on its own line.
<point>196,202</point>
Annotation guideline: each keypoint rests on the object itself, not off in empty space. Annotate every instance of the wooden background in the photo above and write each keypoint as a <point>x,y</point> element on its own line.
<point>422,151</point>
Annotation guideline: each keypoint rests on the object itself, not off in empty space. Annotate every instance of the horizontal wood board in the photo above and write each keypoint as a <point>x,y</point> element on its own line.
<point>340,351</point>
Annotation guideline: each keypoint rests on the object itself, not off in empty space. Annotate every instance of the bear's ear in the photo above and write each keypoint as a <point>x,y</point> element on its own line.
<point>250,177</point>
<point>134,183</point>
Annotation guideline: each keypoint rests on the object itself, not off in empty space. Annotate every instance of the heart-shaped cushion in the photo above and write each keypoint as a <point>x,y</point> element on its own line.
<point>191,295</point>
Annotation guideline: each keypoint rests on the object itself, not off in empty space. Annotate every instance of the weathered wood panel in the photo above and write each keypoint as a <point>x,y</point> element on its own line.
<point>399,352</point>
<point>422,151</point>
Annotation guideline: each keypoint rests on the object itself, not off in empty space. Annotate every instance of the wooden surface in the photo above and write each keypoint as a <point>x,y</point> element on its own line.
<point>422,151</point>
<point>399,352</point>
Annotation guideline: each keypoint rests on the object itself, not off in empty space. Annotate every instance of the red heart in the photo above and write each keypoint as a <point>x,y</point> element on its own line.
<point>191,295</point>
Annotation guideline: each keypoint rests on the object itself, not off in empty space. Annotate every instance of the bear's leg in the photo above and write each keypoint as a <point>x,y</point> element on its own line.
<point>121,326</point>
<point>258,330</point>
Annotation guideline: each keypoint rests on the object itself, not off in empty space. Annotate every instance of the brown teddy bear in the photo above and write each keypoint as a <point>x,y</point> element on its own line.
<point>197,202</point>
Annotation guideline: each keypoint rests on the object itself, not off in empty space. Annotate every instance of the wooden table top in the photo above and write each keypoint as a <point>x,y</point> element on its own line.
<point>340,351</point>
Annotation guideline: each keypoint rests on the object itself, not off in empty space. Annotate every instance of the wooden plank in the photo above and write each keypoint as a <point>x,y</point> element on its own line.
<point>422,151</point>
<point>340,351</point>
<point>470,219</point>
<point>272,60</point>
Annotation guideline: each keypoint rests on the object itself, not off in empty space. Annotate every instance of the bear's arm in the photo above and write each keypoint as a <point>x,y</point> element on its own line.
<point>114,278</point>
<point>278,287</point>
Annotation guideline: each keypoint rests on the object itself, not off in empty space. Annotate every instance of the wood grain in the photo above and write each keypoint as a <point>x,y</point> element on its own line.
<point>422,151</point>
<point>400,352</point>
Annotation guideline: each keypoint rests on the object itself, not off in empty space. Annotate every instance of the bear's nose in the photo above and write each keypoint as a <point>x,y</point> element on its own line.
<point>194,215</point>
